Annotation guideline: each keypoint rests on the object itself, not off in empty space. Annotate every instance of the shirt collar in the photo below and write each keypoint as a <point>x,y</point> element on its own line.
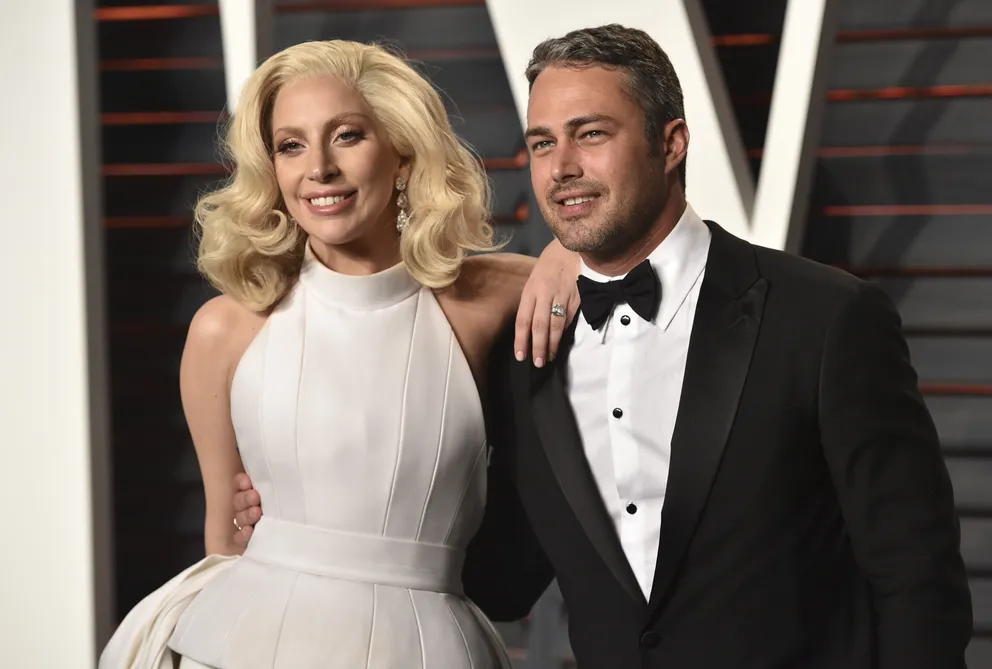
<point>679,261</point>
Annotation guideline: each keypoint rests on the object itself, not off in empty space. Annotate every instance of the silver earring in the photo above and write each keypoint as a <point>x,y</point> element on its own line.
<point>403,203</point>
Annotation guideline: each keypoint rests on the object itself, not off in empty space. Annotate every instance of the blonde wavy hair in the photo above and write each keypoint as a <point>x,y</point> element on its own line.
<point>249,248</point>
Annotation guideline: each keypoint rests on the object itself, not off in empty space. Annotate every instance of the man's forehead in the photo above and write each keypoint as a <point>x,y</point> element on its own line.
<point>562,94</point>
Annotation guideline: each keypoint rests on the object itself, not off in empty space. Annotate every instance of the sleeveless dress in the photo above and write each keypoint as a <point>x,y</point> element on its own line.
<point>360,424</point>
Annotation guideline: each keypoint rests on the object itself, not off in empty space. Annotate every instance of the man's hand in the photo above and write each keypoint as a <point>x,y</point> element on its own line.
<point>247,509</point>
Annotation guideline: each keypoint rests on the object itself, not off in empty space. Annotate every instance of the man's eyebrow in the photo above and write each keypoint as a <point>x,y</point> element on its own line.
<point>570,125</point>
<point>539,131</point>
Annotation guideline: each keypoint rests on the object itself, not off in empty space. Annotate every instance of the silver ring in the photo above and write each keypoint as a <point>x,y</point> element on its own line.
<point>236,524</point>
<point>557,310</point>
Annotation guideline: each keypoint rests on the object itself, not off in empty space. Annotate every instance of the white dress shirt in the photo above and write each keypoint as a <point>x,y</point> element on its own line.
<point>624,384</point>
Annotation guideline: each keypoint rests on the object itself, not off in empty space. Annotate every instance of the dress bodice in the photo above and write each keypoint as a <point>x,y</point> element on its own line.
<point>355,410</point>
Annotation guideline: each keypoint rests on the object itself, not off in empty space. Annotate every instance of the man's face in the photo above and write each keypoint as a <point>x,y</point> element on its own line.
<point>599,182</point>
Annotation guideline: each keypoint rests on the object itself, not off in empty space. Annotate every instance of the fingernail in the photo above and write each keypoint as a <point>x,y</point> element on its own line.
<point>539,362</point>
<point>520,356</point>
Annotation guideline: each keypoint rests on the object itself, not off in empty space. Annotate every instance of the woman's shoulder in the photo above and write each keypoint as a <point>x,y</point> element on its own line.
<point>218,318</point>
<point>483,300</point>
<point>497,278</point>
<point>221,330</point>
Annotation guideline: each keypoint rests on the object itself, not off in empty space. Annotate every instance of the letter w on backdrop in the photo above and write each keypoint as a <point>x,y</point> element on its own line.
<point>720,184</point>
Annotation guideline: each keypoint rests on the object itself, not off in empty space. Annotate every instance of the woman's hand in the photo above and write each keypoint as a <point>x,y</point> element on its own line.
<point>551,284</point>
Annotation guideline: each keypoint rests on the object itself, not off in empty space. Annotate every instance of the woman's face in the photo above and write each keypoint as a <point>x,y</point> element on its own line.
<point>336,171</point>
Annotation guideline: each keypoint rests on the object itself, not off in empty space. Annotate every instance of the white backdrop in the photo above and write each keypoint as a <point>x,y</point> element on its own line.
<point>52,403</point>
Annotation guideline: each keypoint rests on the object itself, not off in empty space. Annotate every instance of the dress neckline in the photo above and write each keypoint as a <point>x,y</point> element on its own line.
<point>366,292</point>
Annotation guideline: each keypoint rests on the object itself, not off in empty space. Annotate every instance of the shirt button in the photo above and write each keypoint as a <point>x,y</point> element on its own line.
<point>618,413</point>
<point>625,320</point>
<point>632,508</point>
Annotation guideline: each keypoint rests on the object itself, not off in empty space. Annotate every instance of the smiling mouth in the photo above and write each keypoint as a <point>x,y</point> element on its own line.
<point>571,201</point>
<point>328,201</point>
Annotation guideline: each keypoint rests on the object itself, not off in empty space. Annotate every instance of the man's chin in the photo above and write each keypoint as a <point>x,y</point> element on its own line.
<point>577,235</point>
<point>578,245</point>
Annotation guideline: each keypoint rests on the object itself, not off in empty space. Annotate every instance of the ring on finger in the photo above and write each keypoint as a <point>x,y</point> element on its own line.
<point>558,309</point>
<point>236,524</point>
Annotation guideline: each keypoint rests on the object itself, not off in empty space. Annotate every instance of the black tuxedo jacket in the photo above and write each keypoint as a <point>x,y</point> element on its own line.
<point>809,521</point>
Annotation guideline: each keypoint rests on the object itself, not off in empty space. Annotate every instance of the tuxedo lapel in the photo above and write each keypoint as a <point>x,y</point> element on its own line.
<point>559,434</point>
<point>724,332</point>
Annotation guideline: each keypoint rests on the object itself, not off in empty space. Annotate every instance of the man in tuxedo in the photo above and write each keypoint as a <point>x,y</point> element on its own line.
<point>729,464</point>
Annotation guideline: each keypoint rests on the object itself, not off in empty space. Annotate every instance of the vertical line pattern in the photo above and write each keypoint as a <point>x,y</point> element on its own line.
<point>260,398</point>
<point>468,486</point>
<point>227,637</point>
<point>402,431</point>
<point>282,622</point>
<point>420,631</point>
<point>440,437</point>
<point>458,626</point>
<point>375,596</point>
<point>296,418</point>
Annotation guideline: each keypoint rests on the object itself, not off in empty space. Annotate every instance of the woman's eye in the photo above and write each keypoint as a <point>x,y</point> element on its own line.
<point>289,146</point>
<point>351,136</point>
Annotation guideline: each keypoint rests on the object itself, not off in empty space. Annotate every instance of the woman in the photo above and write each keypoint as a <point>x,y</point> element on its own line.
<point>341,367</point>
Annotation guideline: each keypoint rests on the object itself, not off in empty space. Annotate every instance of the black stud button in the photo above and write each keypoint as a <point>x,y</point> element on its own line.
<point>632,508</point>
<point>625,320</point>
<point>650,639</point>
<point>618,413</point>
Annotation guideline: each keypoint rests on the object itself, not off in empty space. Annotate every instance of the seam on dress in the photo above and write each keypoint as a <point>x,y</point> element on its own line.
<point>440,438</point>
<point>402,434</point>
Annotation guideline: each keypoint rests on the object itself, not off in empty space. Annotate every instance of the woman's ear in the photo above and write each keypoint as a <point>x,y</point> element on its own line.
<point>404,169</point>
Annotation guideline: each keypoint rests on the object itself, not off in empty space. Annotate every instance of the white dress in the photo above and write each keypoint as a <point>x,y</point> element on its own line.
<point>360,424</point>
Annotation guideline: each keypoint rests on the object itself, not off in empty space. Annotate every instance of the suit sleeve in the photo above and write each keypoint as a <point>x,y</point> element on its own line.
<point>895,492</point>
<point>506,570</point>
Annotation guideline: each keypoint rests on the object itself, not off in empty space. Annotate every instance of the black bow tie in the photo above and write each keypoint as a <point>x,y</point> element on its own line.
<point>639,289</point>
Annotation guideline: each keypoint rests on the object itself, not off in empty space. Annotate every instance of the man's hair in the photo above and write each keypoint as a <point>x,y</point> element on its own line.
<point>651,78</point>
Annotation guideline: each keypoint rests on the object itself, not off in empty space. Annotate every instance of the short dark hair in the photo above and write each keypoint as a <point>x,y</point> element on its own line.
<point>651,78</point>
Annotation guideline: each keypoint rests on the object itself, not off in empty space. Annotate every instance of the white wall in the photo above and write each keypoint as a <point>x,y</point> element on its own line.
<point>54,536</point>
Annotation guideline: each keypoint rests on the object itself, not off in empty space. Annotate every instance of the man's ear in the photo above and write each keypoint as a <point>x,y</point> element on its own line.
<point>675,144</point>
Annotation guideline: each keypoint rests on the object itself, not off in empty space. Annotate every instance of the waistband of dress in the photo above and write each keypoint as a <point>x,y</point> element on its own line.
<point>357,557</point>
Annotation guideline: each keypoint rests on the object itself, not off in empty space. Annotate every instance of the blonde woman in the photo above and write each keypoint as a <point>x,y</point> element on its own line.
<point>341,368</point>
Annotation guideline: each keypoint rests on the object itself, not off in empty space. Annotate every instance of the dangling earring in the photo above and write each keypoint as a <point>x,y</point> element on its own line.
<point>403,203</point>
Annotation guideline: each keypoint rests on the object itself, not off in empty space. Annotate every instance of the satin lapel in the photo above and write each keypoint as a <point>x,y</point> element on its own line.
<point>724,333</point>
<point>559,435</point>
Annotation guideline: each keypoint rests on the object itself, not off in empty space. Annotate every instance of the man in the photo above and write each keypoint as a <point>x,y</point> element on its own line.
<point>729,465</point>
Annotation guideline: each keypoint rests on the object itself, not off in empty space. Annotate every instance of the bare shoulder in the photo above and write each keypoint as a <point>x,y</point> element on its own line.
<point>498,278</point>
<point>483,301</point>
<point>220,331</point>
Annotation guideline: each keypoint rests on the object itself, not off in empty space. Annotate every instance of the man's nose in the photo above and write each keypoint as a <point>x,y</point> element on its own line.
<point>566,165</point>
